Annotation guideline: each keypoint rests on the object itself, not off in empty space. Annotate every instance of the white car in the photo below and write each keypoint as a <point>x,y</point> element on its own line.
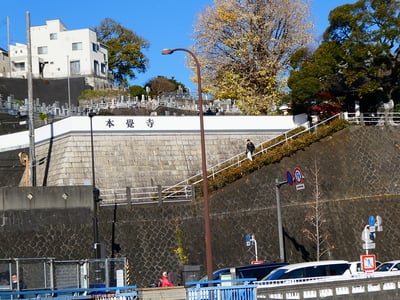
<point>389,266</point>
<point>307,272</point>
<point>355,267</point>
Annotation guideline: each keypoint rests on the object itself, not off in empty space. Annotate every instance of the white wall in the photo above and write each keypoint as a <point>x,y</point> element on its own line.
<point>153,124</point>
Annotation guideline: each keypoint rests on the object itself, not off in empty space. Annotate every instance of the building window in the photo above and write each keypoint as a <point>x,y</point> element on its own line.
<point>75,67</point>
<point>53,36</point>
<point>96,67</point>
<point>19,66</point>
<point>77,46</point>
<point>95,47</point>
<point>103,69</point>
<point>42,50</point>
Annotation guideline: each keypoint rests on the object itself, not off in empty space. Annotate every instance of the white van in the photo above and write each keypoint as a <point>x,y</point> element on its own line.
<point>306,272</point>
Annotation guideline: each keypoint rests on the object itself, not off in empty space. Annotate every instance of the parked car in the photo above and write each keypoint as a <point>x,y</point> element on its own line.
<point>355,267</point>
<point>306,271</point>
<point>257,271</point>
<point>389,266</point>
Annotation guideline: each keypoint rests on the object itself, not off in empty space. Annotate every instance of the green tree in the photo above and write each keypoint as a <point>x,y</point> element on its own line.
<point>244,47</point>
<point>315,76</point>
<point>160,84</point>
<point>125,56</point>
<point>358,58</point>
<point>136,91</point>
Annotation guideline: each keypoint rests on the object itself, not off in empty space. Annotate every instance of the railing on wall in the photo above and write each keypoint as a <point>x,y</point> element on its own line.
<point>147,195</point>
<point>377,118</point>
<point>362,287</point>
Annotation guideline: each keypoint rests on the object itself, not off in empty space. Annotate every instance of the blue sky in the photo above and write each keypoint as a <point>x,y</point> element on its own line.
<point>163,23</point>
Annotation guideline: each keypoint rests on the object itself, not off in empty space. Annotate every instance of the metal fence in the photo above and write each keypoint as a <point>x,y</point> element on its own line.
<point>375,119</point>
<point>147,195</point>
<point>112,293</point>
<point>234,289</point>
<point>30,274</point>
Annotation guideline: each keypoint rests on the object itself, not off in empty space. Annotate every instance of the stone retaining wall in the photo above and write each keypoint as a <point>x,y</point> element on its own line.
<point>134,160</point>
<point>348,177</point>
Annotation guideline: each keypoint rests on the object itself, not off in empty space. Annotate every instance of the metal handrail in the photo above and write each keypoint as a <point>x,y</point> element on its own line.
<point>241,157</point>
<point>376,118</point>
<point>146,195</point>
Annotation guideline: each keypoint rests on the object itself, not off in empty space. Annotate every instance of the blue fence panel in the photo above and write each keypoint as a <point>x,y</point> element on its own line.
<point>235,289</point>
<point>125,292</point>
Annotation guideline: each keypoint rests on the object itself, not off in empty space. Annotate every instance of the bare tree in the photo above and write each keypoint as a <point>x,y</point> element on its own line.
<point>316,230</point>
<point>244,47</point>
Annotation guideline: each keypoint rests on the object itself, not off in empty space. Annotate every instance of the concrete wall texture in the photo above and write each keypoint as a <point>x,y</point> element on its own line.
<point>347,177</point>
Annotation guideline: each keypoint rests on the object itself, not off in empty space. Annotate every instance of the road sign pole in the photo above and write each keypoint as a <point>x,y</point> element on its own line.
<point>278,184</point>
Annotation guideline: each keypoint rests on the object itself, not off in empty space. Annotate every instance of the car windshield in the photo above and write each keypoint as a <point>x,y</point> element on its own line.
<point>275,274</point>
<point>384,267</point>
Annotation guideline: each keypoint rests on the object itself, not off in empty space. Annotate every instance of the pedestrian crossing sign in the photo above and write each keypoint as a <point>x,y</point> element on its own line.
<point>368,262</point>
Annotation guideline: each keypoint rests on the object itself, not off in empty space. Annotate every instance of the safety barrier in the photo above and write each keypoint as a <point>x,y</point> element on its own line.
<point>235,289</point>
<point>111,293</point>
<point>358,287</point>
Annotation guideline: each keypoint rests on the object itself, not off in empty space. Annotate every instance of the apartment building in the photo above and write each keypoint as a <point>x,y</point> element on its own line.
<point>57,52</point>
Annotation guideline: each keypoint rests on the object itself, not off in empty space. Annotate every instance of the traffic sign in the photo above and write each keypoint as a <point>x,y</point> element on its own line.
<point>368,262</point>
<point>289,178</point>
<point>368,246</point>
<point>298,175</point>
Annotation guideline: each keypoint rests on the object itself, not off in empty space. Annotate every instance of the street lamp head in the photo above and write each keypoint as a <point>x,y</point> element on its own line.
<point>167,51</point>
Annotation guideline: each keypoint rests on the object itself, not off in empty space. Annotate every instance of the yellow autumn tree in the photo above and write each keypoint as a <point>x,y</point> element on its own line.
<point>244,47</point>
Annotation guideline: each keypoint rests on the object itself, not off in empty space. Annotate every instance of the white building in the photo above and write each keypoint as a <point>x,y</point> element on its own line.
<point>60,53</point>
<point>4,63</point>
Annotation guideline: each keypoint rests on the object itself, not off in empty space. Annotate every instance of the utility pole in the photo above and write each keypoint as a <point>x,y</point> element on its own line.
<point>278,184</point>
<point>32,155</point>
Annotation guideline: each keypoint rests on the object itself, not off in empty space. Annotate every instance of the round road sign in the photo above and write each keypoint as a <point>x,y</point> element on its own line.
<point>298,175</point>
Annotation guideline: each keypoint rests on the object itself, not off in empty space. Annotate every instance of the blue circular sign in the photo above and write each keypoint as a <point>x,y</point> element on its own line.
<point>371,221</point>
<point>289,178</point>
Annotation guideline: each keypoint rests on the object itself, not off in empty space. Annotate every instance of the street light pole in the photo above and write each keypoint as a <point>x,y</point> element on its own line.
<point>96,194</point>
<point>207,227</point>
<point>278,184</point>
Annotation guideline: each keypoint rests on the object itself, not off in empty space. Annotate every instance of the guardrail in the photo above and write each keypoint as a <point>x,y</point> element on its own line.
<point>367,287</point>
<point>111,293</point>
<point>235,289</point>
<point>378,119</point>
<point>147,195</point>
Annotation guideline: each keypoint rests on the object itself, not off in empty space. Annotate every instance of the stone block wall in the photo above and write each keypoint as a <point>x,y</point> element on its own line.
<point>134,160</point>
<point>347,177</point>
